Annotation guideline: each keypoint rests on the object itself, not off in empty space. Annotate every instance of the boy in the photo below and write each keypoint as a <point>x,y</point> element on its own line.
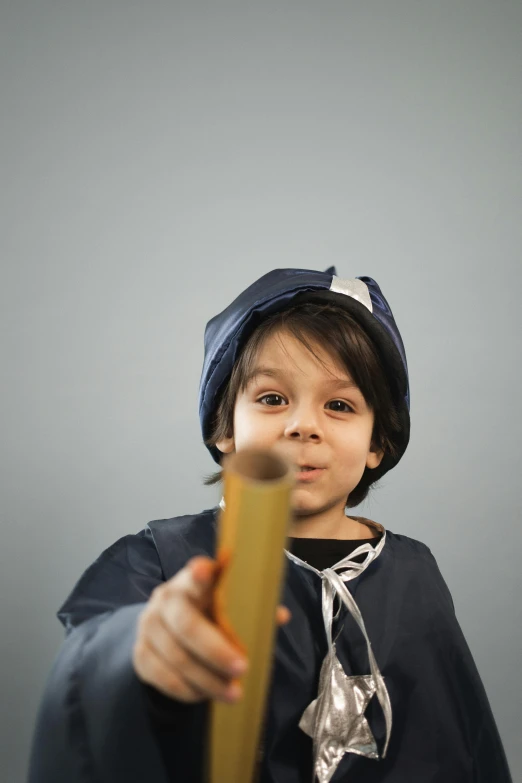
<point>313,367</point>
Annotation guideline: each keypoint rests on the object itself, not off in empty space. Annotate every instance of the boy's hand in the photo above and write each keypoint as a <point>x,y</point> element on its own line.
<point>179,649</point>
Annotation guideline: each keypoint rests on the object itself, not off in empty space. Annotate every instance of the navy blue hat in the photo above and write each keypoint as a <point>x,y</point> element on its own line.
<point>227,333</point>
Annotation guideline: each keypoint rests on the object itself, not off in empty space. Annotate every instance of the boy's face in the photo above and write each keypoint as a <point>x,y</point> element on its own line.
<point>309,415</point>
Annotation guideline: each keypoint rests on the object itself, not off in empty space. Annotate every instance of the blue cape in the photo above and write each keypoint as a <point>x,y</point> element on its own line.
<point>94,722</point>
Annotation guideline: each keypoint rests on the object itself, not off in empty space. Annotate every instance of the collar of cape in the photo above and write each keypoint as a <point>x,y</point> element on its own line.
<point>355,568</point>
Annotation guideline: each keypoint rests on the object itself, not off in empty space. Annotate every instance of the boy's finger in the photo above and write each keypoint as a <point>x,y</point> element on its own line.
<point>204,640</point>
<point>195,579</point>
<point>203,569</point>
<point>283,615</point>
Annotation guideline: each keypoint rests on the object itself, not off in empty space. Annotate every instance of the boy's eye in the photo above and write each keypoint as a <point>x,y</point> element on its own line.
<point>346,409</point>
<point>271,397</point>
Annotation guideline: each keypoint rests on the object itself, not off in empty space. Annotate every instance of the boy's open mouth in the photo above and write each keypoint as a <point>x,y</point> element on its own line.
<point>308,472</point>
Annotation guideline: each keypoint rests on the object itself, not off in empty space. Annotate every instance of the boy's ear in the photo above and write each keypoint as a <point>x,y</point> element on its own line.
<point>226,445</point>
<point>374,458</point>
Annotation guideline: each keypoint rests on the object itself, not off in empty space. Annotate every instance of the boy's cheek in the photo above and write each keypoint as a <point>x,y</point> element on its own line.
<point>254,433</point>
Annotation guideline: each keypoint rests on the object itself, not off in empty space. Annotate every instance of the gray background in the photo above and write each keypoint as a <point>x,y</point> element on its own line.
<point>156,158</point>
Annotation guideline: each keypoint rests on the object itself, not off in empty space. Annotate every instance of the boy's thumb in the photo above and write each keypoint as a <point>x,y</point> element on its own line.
<point>202,577</point>
<point>202,570</point>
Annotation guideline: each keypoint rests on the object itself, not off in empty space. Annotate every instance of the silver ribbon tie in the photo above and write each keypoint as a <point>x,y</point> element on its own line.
<point>335,719</point>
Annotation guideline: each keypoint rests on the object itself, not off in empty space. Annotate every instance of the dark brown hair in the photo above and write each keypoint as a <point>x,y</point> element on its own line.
<point>346,341</point>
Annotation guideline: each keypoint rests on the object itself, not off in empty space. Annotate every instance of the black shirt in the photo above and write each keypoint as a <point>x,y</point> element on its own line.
<point>325,552</point>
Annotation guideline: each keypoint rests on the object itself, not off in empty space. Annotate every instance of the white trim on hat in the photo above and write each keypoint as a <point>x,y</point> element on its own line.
<point>357,289</point>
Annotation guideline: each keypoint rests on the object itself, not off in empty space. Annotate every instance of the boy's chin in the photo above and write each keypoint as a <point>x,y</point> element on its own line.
<point>305,505</point>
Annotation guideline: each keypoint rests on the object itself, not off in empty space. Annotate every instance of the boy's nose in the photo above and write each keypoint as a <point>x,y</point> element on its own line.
<point>295,434</point>
<point>303,426</point>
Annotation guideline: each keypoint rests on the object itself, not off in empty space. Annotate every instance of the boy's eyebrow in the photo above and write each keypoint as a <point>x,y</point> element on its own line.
<point>272,372</point>
<point>257,371</point>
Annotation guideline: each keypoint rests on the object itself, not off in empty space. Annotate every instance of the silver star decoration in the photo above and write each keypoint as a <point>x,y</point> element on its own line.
<point>345,730</point>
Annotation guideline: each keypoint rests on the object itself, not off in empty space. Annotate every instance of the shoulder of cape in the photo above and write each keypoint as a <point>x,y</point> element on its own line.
<point>418,558</point>
<point>179,539</point>
<point>402,546</point>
